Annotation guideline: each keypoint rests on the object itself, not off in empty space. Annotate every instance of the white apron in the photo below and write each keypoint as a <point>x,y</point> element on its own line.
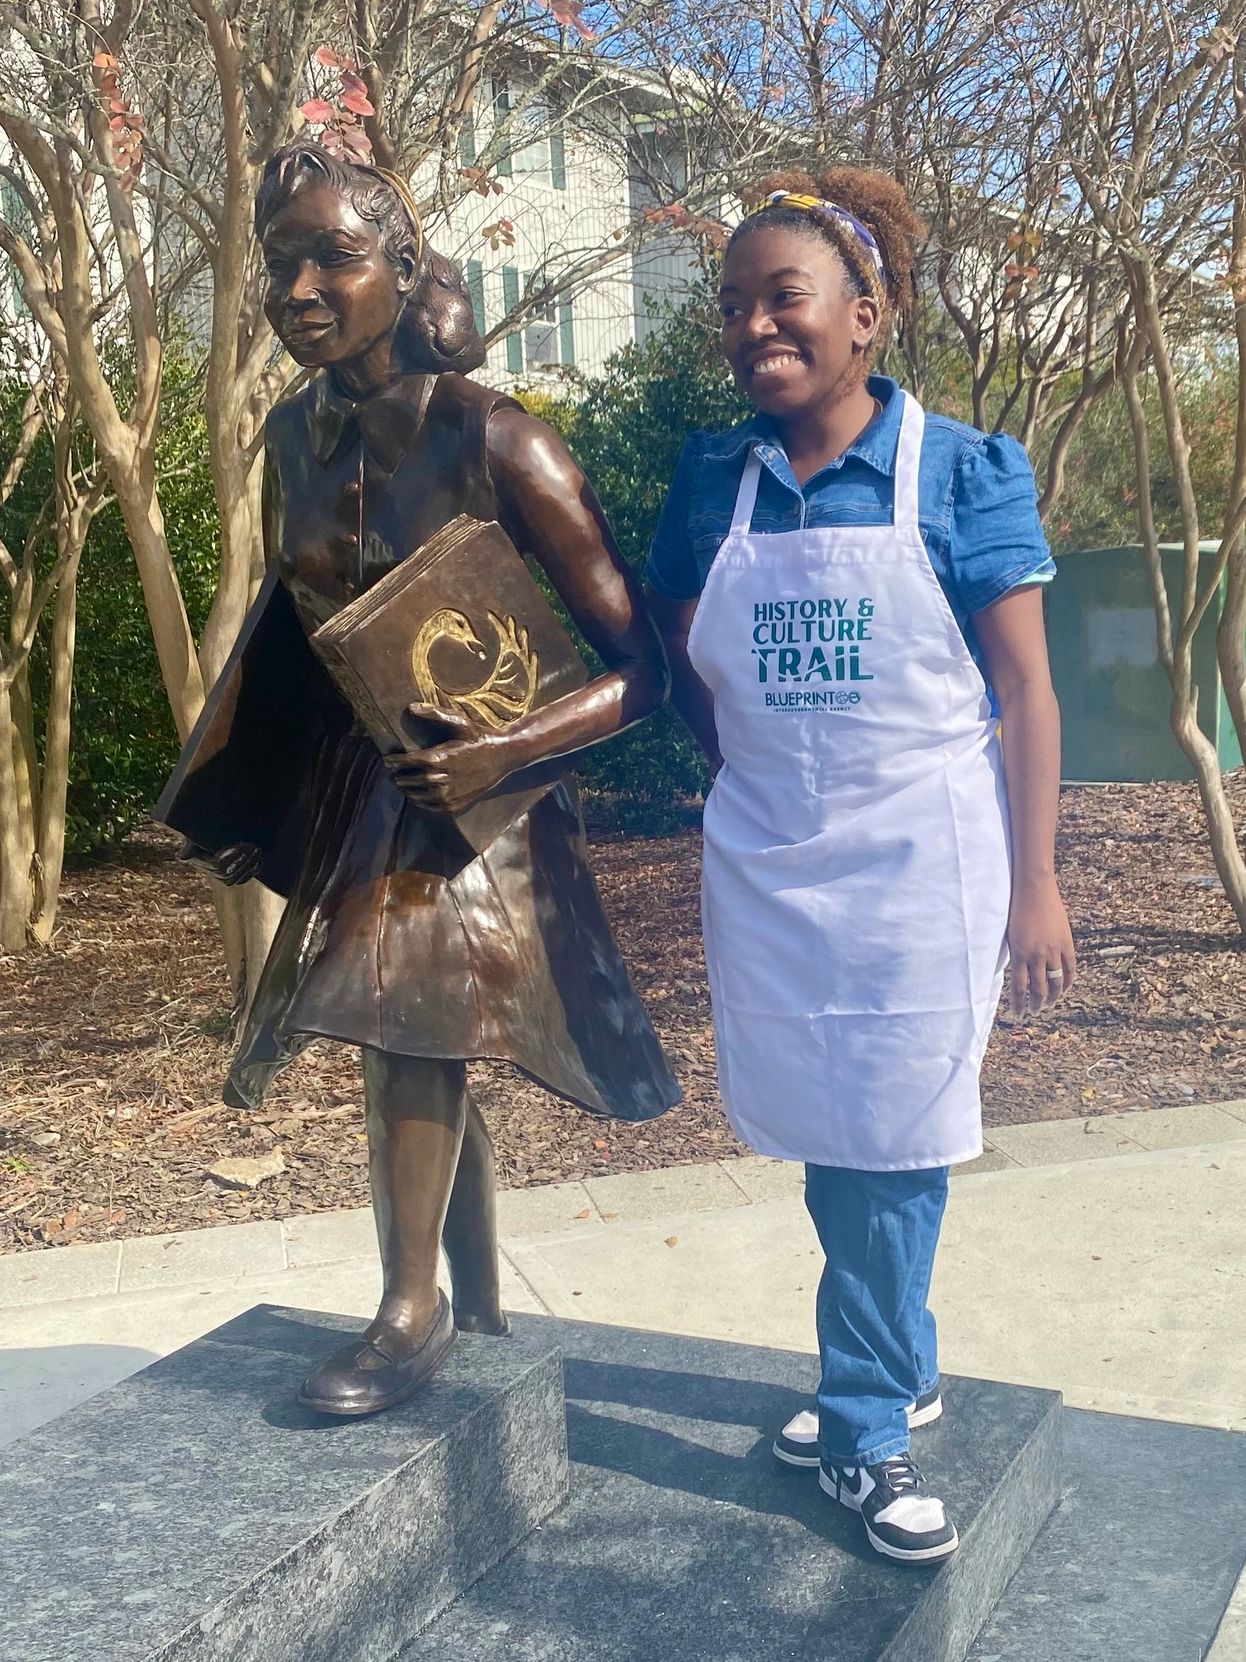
<point>856,874</point>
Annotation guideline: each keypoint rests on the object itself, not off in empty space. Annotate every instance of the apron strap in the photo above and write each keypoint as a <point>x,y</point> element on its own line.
<point>908,463</point>
<point>746,496</point>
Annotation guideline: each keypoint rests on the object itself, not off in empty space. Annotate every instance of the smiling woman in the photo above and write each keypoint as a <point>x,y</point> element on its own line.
<point>389,941</point>
<point>794,341</point>
<point>848,591</point>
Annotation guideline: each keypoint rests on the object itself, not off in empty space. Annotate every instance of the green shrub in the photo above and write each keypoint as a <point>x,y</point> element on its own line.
<point>124,741</point>
<point>1099,505</point>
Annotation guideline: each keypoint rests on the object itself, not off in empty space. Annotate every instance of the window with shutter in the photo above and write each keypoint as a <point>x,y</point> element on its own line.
<point>467,142</point>
<point>501,109</point>
<point>510,299</point>
<point>475,274</point>
<point>557,158</point>
<point>17,217</point>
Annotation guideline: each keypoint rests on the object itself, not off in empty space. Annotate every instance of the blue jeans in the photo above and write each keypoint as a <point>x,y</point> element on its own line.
<point>876,1335</point>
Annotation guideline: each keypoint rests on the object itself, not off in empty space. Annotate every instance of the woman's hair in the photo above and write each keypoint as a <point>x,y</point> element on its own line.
<point>882,206</point>
<point>437,330</point>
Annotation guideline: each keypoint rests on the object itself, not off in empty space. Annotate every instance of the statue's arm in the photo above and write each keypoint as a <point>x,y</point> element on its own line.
<point>552,513</point>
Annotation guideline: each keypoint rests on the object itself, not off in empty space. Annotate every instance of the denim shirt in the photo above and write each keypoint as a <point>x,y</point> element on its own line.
<point>977,504</point>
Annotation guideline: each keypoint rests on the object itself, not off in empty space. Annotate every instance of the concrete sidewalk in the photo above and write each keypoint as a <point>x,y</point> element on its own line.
<point>1105,1258</point>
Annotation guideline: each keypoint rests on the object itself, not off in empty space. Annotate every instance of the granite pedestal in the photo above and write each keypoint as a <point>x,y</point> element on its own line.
<point>194,1513</point>
<point>1140,1559</point>
<point>684,1541</point>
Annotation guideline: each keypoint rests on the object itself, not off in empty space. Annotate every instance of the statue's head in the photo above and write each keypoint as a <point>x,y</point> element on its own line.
<point>348,267</point>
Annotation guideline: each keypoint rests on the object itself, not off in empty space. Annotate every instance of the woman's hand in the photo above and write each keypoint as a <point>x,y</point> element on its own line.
<point>450,776</point>
<point>234,864</point>
<point>1040,943</point>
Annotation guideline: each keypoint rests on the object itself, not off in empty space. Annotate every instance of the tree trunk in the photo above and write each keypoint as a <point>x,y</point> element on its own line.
<point>1176,646</point>
<point>240,532</point>
<point>248,919</point>
<point>1225,848</point>
<point>262,911</point>
<point>25,754</point>
<point>175,644</point>
<point>55,783</point>
<point>15,853</point>
<point>229,915</point>
<point>1231,643</point>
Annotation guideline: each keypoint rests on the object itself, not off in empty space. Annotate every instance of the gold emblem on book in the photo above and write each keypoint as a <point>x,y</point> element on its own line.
<point>508,691</point>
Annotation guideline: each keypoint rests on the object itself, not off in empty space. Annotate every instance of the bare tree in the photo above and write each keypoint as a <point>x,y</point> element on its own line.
<point>1153,98</point>
<point>40,592</point>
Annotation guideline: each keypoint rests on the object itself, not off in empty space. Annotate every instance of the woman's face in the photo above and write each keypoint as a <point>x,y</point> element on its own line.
<point>333,293</point>
<point>794,335</point>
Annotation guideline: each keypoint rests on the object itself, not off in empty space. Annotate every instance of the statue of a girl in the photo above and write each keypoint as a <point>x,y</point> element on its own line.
<point>422,963</point>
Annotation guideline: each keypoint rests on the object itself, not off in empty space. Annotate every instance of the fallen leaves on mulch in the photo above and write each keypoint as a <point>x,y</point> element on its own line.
<point>113,1042</point>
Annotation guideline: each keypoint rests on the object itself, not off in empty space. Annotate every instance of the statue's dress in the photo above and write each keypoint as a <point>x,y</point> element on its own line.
<point>382,942</point>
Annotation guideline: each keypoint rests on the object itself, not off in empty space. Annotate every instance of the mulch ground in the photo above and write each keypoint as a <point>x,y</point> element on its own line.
<point>113,1042</point>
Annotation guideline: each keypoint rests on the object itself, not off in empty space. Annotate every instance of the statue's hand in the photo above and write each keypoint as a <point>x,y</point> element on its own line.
<point>459,770</point>
<point>235,863</point>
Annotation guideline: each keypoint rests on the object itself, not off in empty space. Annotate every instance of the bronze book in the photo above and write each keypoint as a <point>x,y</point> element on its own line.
<point>462,625</point>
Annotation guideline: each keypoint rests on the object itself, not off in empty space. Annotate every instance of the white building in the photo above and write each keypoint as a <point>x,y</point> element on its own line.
<point>569,200</point>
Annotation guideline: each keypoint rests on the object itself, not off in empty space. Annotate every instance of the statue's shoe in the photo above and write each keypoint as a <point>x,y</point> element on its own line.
<point>368,1375</point>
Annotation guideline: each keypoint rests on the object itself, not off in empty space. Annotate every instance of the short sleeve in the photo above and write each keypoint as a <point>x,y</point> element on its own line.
<point>996,540</point>
<point>671,568</point>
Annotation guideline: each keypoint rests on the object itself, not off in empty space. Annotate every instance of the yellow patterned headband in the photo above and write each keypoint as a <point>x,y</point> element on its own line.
<point>829,210</point>
<point>402,190</point>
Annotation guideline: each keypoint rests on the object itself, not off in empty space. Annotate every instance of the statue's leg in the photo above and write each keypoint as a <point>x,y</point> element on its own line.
<point>470,1236</point>
<point>416,1114</point>
<point>416,1111</point>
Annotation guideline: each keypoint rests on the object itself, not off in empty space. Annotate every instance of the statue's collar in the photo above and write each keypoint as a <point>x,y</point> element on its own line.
<point>387,421</point>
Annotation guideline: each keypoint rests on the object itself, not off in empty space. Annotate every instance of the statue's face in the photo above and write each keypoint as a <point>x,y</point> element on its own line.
<point>333,293</point>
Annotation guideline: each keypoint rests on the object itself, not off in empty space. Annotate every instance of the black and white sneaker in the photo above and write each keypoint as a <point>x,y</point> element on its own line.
<point>902,1521</point>
<point>797,1443</point>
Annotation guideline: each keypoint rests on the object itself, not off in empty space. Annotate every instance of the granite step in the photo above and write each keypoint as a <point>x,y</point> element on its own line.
<point>195,1513</point>
<point>684,1541</point>
<point>1140,1559</point>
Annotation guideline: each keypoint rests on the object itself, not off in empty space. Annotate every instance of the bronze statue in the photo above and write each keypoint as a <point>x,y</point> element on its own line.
<point>388,942</point>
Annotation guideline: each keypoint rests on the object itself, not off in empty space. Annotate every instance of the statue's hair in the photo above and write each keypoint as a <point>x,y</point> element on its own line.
<point>437,330</point>
<point>881,204</point>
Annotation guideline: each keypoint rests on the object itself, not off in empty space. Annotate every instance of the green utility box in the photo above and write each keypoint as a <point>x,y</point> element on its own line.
<point>1114,694</point>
